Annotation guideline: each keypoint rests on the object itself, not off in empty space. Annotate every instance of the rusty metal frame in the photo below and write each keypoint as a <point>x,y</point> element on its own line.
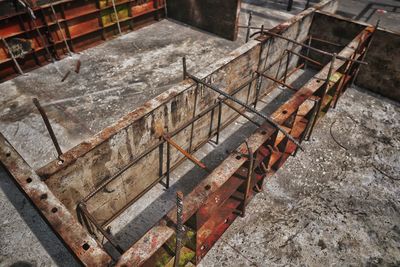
<point>260,156</point>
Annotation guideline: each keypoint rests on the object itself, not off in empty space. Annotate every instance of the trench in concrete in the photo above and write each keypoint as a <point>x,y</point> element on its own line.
<point>126,224</point>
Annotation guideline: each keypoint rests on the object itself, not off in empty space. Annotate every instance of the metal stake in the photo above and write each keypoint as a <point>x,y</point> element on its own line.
<point>48,126</point>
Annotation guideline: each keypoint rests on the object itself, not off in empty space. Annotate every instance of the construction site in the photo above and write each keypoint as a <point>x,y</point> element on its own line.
<point>199,133</point>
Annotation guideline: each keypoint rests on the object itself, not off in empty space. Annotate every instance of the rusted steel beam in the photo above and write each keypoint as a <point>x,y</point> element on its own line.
<point>84,246</point>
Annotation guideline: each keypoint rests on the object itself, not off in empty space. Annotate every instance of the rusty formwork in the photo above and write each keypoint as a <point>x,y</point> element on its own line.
<point>34,33</point>
<point>144,147</point>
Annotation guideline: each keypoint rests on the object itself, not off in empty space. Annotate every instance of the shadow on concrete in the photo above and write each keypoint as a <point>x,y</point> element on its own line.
<point>35,223</point>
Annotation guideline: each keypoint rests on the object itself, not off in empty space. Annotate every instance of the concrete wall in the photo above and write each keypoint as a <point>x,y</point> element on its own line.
<point>215,16</point>
<point>382,74</point>
<point>91,162</point>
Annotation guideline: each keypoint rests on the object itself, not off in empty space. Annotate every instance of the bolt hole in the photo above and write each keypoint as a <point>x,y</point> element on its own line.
<point>226,220</point>
<point>318,81</point>
<point>29,180</point>
<point>54,210</point>
<point>60,162</point>
<point>43,197</point>
<point>86,246</point>
<point>8,154</point>
<point>207,187</point>
<point>263,132</point>
<point>238,157</point>
<point>284,112</point>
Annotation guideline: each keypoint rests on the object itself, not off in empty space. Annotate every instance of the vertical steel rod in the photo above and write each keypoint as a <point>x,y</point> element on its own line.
<point>61,31</point>
<point>196,91</point>
<point>168,165</point>
<point>184,67</point>
<point>110,239</point>
<point>116,16</point>
<point>219,121</point>
<point>48,126</point>
<point>179,227</point>
<point>325,89</point>
<point>308,50</point>
<point>248,179</point>
<point>286,67</point>
<point>248,27</point>
<point>365,53</point>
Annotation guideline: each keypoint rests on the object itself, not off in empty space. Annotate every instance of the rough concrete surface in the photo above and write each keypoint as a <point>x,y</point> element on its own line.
<point>331,205</point>
<point>328,206</point>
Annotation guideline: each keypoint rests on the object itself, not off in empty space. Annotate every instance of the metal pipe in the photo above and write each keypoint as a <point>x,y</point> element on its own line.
<point>253,110</point>
<point>12,56</point>
<point>48,126</point>
<point>185,153</point>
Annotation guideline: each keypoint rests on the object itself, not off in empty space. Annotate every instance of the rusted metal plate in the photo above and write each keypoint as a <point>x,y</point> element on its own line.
<point>74,25</point>
<point>88,251</point>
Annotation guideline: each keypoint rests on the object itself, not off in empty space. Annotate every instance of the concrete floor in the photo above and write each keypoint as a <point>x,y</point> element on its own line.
<point>331,205</point>
<point>87,102</point>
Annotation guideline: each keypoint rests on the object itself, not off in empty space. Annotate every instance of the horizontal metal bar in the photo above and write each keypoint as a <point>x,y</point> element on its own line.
<point>278,81</point>
<point>185,153</point>
<point>251,109</point>
<point>305,58</point>
<point>308,46</point>
<point>242,113</point>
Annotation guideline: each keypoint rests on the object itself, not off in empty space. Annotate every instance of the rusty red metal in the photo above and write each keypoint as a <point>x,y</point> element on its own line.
<point>219,198</point>
<point>56,27</point>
